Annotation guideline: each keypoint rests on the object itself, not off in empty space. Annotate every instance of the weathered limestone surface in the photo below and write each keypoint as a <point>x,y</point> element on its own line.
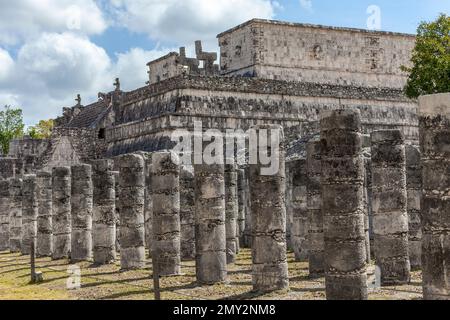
<point>434,114</point>
<point>247,236</point>
<point>61,218</point>
<point>7,168</point>
<point>131,202</point>
<point>81,210</point>
<point>342,194</point>
<point>300,226</point>
<point>242,207</point>
<point>268,214</point>
<point>187,212</point>
<point>104,212</point>
<point>367,205</point>
<point>165,184</point>
<point>316,244</point>
<point>29,213</point>
<point>44,240</point>
<point>231,211</point>
<point>210,235</point>
<point>390,217</point>
<point>5,205</point>
<point>117,217</point>
<point>15,215</point>
<point>414,192</point>
<point>148,205</point>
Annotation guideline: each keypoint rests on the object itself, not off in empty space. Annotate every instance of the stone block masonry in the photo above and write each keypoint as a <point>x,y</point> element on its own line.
<point>5,205</point>
<point>342,197</point>
<point>316,245</point>
<point>29,213</point>
<point>414,192</point>
<point>210,235</point>
<point>187,212</point>
<point>15,215</point>
<point>390,218</point>
<point>165,184</point>
<point>434,112</point>
<point>104,212</point>
<point>231,211</point>
<point>242,206</point>
<point>44,240</point>
<point>268,215</point>
<point>81,210</point>
<point>61,219</point>
<point>131,203</point>
<point>300,226</point>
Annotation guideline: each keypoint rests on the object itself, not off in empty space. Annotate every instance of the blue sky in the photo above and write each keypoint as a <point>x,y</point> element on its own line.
<point>54,49</point>
<point>396,15</point>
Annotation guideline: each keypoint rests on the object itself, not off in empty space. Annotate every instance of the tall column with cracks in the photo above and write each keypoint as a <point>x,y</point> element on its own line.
<point>15,215</point>
<point>268,211</point>
<point>81,211</point>
<point>29,213</point>
<point>434,119</point>
<point>44,240</point>
<point>390,217</point>
<point>165,184</point>
<point>61,218</point>
<point>131,202</point>
<point>316,245</point>
<point>342,197</point>
<point>104,212</point>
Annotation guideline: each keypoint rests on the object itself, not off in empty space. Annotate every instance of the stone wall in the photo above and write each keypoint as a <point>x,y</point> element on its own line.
<point>147,116</point>
<point>301,52</point>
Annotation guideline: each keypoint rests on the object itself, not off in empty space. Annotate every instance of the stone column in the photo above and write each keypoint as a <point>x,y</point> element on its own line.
<point>5,205</point>
<point>231,211</point>
<point>29,213</point>
<point>247,237</point>
<point>316,243</point>
<point>15,215</point>
<point>289,208</point>
<point>148,204</point>
<point>104,212</point>
<point>187,213</point>
<point>131,203</point>
<point>242,195</point>
<point>268,215</point>
<point>210,235</point>
<point>81,210</point>
<point>165,186</point>
<point>342,198</point>
<point>117,216</point>
<point>300,226</point>
<point>44,246</point>
<point>61,219</point>
<point>367,205</point>
<point>434,117</point>
<point>390,217</point>
<point>414,193</point>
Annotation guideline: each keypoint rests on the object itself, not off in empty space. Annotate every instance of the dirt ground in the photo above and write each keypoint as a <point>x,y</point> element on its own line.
<point>108,283</point>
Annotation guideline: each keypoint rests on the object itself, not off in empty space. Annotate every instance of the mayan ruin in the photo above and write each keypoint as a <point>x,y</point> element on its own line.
<point>290,164</point>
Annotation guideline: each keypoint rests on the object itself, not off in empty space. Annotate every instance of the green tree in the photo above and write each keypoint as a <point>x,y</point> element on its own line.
<point>11,126</point>
<point>43,130</point>
<point>430,71</point>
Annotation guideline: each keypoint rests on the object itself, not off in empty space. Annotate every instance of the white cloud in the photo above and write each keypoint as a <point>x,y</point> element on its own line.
<point>185,21</point>
<point>51,69</point>
<point>131,67</point>
<point>307,4</point>
<point>6,65</point>
<point>24,19</point>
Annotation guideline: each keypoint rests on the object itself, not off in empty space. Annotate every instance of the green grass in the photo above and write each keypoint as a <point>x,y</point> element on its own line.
<point>108,283</point>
